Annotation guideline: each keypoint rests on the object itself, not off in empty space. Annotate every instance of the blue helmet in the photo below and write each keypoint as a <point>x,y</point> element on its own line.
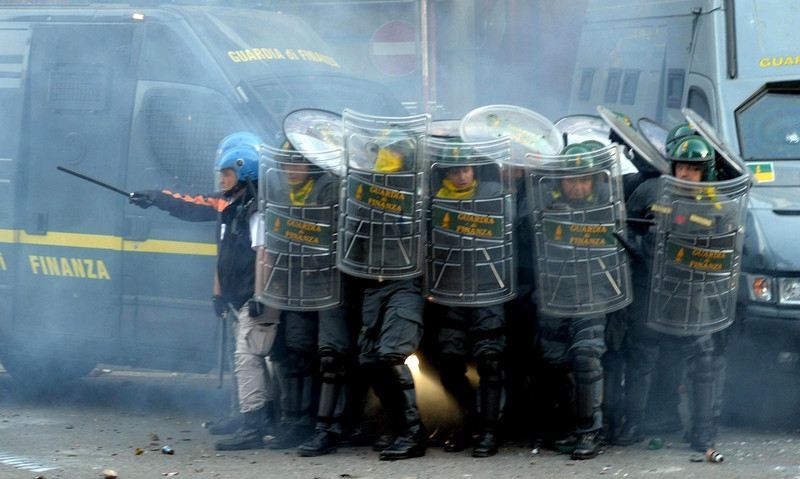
<point>241,159</point>
<point>239,138</point>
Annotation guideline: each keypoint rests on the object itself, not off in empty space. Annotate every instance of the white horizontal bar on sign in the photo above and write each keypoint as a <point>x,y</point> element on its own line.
<point>394,48</point>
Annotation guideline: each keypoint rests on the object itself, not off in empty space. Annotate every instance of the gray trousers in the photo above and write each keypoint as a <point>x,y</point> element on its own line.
<point>254,340</point>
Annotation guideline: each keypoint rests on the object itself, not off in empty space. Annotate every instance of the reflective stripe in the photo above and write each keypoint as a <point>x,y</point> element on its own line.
<point>108,242</point>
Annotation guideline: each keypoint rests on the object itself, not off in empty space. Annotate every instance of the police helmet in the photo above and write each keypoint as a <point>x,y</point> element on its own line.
<point>241,159</point>
<point>696,150</point>
<point>239,138</point>
<point>578,153</point>
<point>677,133</point>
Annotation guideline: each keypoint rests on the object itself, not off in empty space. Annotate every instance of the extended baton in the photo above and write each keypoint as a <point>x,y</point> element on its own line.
<point>96,182</point>
<point>222,349</point>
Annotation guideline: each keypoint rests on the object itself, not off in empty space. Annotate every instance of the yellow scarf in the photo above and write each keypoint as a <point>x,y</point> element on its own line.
<point>388,161</point>
<point>450,192</point>
<point>298,193</point>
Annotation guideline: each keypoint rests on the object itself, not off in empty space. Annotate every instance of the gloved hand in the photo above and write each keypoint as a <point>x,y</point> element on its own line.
<point>144,198</point>
<point>220,307</point>
<point>255,308</point>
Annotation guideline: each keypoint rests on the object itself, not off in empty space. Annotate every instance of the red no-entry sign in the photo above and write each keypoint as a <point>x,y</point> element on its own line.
<point>394,48</point>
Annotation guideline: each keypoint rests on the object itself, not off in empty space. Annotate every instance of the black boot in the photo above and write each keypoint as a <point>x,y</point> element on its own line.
<point>249,436</point>
<point>411,434</point>
<point>226,426</point>
<point>703,433</point>
<point>296,426</point>
<point>637,388</point>
<point>452,370</point>
<point>490,394</point>
<point>588,445</point>
<point>588,371</point>
<point>329,412</point>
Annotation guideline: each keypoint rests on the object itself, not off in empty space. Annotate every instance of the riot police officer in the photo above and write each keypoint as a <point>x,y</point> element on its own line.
<point>380,226</point>
<point>470,225</point>
<point>236,272</point>
<point>577,340</point>
<point>207,207</point>
<point>693,160</point>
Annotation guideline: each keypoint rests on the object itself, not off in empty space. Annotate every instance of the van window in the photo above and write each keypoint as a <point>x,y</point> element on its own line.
<point>630,82</point>
<point>698,101</point>
<point>182,125</point>
<point>612,85</point>
<point>167,57</point>
<point>585,89</point>
<point>675,79</point>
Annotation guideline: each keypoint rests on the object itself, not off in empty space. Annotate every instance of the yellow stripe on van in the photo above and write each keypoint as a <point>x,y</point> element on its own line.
<point>108,242</point>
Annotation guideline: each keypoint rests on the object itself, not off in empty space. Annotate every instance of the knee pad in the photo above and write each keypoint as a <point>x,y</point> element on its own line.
<point>701,368</point>
<point>587,366</point>
<point>490,368</point>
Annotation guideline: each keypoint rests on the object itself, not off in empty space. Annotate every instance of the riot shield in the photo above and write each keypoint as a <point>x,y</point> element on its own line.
<point>655,133</point>
<point>445,128</point>
<point>470,258</point>
<point>578,128</point>
<point>652,158</point>
<point>298,201</point>
<point>380,224</point>
<point>578,214</point>
<point>731,163</point>
<point>316,133</point>
<point>530,133</point>
<point>698,248</point>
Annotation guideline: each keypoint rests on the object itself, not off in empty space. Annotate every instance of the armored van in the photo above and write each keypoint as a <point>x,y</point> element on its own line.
<point>137,97</point>
<point>737,64</point>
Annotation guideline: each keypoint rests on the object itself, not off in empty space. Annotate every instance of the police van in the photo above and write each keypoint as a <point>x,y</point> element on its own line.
<point>737,64</point>
<point>139,98</point>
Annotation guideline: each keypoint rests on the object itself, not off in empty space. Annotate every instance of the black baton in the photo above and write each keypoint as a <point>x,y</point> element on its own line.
<point>96,182</point>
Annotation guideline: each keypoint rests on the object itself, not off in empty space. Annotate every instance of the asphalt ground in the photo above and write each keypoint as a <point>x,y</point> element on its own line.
<point>99,422</point>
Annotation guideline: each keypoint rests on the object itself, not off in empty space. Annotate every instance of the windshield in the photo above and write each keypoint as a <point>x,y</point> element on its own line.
<point>769,127</point>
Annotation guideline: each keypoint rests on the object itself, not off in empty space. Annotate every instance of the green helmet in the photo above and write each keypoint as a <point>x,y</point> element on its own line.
<point>578,155</point>
<point>695,149</point>
<point>593,145</point>
<point>677,133</point>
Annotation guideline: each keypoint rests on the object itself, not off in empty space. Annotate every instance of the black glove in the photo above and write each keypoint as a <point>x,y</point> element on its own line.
<point>145,198</point>
<point>220,307</point>
<point>255,308</point>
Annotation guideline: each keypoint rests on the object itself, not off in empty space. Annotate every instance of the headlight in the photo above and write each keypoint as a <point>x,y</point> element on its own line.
<point>759,287</point>
<point>789,290</point>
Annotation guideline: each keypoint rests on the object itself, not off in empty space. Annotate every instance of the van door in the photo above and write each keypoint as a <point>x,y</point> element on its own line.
<point>80,94</point>
<point>169,262</point>
<point>14,41</point>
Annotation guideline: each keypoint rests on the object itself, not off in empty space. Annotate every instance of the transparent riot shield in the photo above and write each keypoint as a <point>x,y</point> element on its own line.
<point>578,128</point>
<point>655,133</point>
<point>470,259</point>
<point>380,224</point>
<point>298,203</point>
<point>697,257</point>
<point>651,158</point>
<point>730,163</point>
<point>530,132</point>
<point>578,214</point>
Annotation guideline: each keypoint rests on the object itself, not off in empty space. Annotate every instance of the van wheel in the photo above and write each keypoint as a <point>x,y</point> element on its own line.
<point>45,372</point>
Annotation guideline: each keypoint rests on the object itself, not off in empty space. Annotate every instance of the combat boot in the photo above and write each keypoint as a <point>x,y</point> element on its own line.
<point>331,404</point>
<point>249,436</point>
<point>411,438</point>
<point>588,446</point>
<point>295,429</point>
<point>702,411</point>
<point>321,443</point>
<point>490,392</point>
<point>226,426</point>
<point>631,433</point>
